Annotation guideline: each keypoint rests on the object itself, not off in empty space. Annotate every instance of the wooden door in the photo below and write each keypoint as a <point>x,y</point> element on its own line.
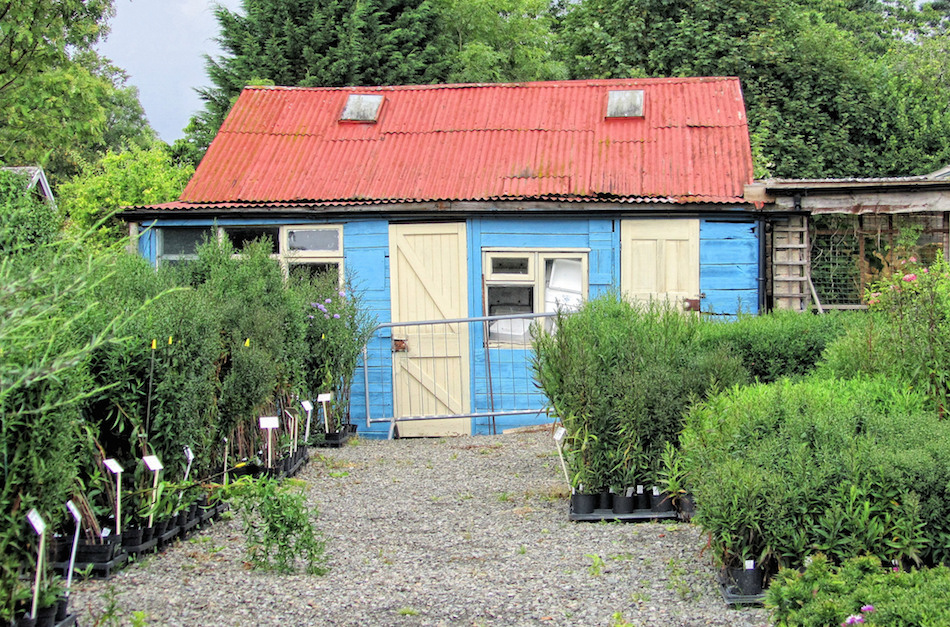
<point>660,260</point>
<point>428,266</point>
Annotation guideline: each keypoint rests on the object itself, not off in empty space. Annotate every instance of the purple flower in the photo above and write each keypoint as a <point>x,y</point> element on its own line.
<point>337,316</point>
<point>328,301</point>
<point>311,317</point>
<point>867,609</point>
<point>342,294</point>
<point>314,304</point>
<point>321,308</point>
<point>327,316</point>
<point>854,619</point>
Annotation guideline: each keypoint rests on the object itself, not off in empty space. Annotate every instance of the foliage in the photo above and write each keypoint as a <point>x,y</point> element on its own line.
<point>133,176</point>
<point>28,221</point>
<point>907,336</point>
<point>782,471</point>
<point>619,377</point>
<point>824,595</point>
<point>278,525</point>
<point>778,344</point>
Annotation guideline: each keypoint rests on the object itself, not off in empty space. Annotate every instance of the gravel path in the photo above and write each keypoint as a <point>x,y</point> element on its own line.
<point>458,531</point>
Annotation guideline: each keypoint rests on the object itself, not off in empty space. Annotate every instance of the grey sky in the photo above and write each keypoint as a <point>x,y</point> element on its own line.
<point>161,44</point>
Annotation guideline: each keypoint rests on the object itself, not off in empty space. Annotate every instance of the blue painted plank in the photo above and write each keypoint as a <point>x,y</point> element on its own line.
<point>731,301</point>
<point>728,251</point>
<point>726,277</point>
<point>727,230</point>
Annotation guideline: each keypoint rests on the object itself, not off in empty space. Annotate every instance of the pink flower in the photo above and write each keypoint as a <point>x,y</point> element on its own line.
<point>854,619</point>
<point>925,270</point>
<point>867,609</point>
<point>910,277</point>
<point>913,259</point>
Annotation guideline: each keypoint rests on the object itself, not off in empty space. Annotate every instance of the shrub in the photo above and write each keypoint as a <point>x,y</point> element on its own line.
<point>785,470</point>
<point>861,587</point>
<point>619,377</point>
<point>778,344</point>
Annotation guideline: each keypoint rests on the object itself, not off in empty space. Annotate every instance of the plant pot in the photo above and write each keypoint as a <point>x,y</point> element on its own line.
<point>662,502</point>
<point>686,507</point>
<point>745,581</point>
<point>161,526</point>
<point>95,553</point>
<point>26,621</point>
<point>349,428</point>
<point>132,537</point>
<point>643,500</point>
<point>605,500</point>
<point>62,609</point>
<point>46,616</point>
<point>624,504</point>
<point>584,503</point>
<point>59,548</point>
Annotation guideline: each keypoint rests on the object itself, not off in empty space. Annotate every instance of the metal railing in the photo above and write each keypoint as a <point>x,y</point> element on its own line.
<point>475,368</point>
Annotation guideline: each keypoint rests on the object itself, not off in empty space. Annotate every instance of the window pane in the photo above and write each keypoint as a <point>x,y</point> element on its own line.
<point>327,240</point>
<point>563,284</point>
<point>509,265</point>
<point>244,235</point>
<point>183,241</point>
<point>305,271</point>
<point>510,299</point>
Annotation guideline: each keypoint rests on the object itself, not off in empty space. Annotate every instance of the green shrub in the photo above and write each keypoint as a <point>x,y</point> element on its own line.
<point>861,587</point>
<point>278,525</point>
<point>619,377</point>
<point>785,470</point>
<point>778,344</point>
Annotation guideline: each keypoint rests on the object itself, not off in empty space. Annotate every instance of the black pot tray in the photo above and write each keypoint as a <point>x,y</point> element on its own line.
<point>637,515</point>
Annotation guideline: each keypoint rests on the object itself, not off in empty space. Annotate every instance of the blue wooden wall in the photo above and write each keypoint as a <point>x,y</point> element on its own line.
<point>729,266</point>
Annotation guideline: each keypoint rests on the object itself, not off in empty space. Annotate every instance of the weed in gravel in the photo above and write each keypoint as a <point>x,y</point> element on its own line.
<point>504,497</point>
<point>112,612</point>
<point>677,579</point>
<point>522,550</point>
<point>408,611</point>
<point>596,567</point>
<point>617,620</point>
<point>623,557</point>
<point>639,597</point>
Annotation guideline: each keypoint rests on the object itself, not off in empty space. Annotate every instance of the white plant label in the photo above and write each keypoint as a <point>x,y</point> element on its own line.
<point>629,492</point>
<point>189,456</point>
<point>152,463</point>
<point>750,564</point>
<point>105,532</point>
<point>325,398</point>
<point>307,406</point>
<point>113,466</point>
<point>39,526</point>
<point>559,434</point>
<point>269,422</point>
<point>656,491</point>
<point>639,489</point>
<point>73,510</point>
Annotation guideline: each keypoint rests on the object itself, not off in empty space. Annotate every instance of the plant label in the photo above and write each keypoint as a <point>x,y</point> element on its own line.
<point>113,466</point>
<point>105,532</point>
<point>750,564</point>
<point>639,489</point>
<point>656,491</point>
<point>73,510</point>
<point>152,463</point>
<point>629,492</point>
<point>270,422</point>
<point>325,398</point>
<point>189,456</point>
<point>39,525</point>
<point>307,406</point>
<point>559,435</point>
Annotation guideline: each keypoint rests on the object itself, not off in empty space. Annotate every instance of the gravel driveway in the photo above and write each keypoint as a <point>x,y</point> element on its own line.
<point>456,531</point>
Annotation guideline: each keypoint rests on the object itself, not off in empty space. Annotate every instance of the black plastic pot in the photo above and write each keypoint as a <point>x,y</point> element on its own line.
<point>95,553</point>
<point>62,608</point>
<point>46,616</point>
<point>132,537</point>
<point>624,504</point>
<point>662,502</point>
<point>745,581</point>
<point>26,621</point>
<point>606,500</point>
<point>584,503</point>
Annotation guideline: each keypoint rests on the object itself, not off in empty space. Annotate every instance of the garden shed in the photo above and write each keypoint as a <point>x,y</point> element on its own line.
<point>456,201</point>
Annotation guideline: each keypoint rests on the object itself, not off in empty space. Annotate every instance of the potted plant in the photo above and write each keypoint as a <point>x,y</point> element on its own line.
<point>671,481</point>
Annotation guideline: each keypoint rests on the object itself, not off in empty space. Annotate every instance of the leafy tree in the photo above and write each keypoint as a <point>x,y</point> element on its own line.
<point>132,176</point>
<point>37,33</point>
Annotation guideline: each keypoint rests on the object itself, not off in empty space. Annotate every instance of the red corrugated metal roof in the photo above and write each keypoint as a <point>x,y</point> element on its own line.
<point>547,140</point>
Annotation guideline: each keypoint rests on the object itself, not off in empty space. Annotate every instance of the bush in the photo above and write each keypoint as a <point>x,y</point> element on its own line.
<point>785,470</point>
<point>861,587</point>
<point>779,344</point>
<point>619,377</point>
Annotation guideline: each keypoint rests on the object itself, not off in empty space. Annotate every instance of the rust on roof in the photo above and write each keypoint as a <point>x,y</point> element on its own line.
<point>547,140</point>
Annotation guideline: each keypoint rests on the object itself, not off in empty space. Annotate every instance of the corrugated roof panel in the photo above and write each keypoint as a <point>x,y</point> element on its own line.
<point>473,142</point>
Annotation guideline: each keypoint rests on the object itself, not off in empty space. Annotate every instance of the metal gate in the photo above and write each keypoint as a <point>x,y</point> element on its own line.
<point>412,375</point>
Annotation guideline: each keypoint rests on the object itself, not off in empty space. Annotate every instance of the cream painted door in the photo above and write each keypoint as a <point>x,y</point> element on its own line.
<point>660,260</point>
<point>428,267</point>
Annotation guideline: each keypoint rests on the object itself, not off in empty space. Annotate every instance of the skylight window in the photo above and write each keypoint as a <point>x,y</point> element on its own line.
<point>625,104</point>
<point>362,108</point>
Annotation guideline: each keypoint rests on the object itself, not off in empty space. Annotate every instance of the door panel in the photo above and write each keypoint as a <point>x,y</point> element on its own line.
<point>428,282</point>
<point>660,259</point>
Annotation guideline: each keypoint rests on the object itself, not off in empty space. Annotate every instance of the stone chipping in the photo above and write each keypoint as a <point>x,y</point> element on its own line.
<point>450,531</point>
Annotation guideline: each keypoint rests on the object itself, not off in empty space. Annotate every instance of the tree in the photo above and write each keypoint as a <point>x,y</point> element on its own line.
<point>134,176</point>
<point>37,33</point>
<point>322,43</point>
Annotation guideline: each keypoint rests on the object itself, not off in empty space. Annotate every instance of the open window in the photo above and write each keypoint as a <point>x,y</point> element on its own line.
<point>530,282</point>
<point>178,244</point>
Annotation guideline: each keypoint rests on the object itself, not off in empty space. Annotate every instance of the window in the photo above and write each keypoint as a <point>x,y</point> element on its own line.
<point>526,282</point>
<point>301,250</point>
<point>177,244</point>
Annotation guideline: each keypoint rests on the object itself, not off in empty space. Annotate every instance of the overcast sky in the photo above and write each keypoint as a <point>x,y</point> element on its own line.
<point>161,44</point>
